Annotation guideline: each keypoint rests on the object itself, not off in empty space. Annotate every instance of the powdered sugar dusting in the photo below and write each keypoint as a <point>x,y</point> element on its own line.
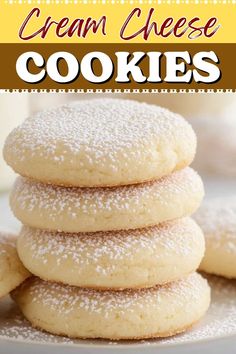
<point>91,248</point>
<point>66,299</point>
<point>14,326</point>
<point>217,218</point>
<point>29,195</point>
<point>218,322</point>
<point>100,130</point>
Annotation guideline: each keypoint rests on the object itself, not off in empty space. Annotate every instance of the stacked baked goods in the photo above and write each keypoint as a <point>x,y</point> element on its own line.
<point>105,200</point>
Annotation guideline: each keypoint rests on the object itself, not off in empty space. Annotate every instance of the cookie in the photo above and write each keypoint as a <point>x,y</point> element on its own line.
<point>12,271</point>
<point>104,209</point>
<point>161,311</point>
<point>119,259</point>
<point>217,218</point>
<point>101,142</point>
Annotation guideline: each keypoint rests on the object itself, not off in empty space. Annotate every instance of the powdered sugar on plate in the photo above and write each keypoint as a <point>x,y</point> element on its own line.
<point>220,321</point>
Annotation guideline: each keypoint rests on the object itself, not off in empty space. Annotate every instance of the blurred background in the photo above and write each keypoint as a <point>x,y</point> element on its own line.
<point>212,116</point>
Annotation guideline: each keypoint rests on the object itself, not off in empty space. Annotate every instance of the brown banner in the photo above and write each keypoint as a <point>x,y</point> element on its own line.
<point>9,78</point>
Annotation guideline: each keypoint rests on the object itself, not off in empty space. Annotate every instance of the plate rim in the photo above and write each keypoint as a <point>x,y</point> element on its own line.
<point>118,345</point>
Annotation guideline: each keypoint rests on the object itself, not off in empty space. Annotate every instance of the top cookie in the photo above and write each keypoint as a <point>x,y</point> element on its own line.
<point>101,142</point>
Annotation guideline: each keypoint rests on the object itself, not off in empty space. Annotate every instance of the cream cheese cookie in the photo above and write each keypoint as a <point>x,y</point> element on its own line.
<point>104,209</point>
<point>12,271</point>
<point>119,259</point>
<point>101,142</point>
<point>161,311</point>
<point>217,218</point>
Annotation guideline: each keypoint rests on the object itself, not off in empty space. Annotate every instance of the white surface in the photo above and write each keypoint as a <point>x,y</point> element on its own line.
<point>189,104</point>
<point>216,148</point>
<point>8,222</point>
<point>219,186</point>
<point>216,333</point>
<point>14,109</point>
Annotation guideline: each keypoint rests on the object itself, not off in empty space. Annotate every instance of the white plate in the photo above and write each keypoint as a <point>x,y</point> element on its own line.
<point>219,325</point>
<point>215,333</point>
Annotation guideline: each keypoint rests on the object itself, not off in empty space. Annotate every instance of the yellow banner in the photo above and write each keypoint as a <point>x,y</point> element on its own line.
<point>100,21</point>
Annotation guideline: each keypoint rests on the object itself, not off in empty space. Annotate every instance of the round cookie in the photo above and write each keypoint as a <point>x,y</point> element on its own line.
<point>104,209</point>
<point>12,271</point>
<point>161,311</point>
<point>217,218</point>
<point>119,259</point>
<point>101,142</point>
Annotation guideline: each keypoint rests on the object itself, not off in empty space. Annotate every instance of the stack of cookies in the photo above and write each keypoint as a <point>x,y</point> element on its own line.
<point>105,200</point>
